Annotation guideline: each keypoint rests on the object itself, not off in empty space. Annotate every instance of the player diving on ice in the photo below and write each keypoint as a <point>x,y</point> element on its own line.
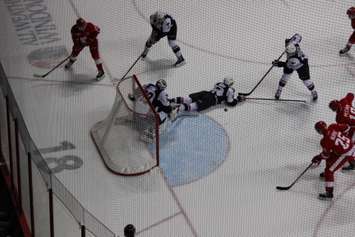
<point>222,92</point>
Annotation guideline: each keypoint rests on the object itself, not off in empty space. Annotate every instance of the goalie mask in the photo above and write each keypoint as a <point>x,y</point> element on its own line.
<point>229,81</point>
<point>161,84</point>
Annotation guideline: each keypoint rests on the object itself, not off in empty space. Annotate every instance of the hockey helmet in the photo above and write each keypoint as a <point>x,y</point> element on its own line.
<point>80,21</point>
<point>161,84</point>
<point>320,127</point>
<point>290,48</point>
<point>228,80</point>
<point>334,105</point>
<point>129,230</point>
<point>157,18</point>
<point>351,12</point>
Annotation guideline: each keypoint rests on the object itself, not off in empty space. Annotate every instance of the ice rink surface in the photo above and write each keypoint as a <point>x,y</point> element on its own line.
<point>270,143</point>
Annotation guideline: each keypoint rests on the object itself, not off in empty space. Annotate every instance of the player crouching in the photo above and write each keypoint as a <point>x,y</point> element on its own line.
<point>337,150</point>
<point>159,98</point>
<point>223,92</point>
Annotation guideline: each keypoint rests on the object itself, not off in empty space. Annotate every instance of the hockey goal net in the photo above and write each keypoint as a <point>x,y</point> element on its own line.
<point>128,139</point>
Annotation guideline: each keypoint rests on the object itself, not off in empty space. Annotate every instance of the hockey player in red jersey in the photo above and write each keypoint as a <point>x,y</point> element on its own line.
<point>345,113</point>
<point>85,34</point>
<point>337,150</point>
<point>351,14</point>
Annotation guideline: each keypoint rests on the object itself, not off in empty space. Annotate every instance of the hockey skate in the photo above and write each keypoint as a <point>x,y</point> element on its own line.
<point>314,95</point>
<point>321,175</point>
<point>351,166</point>
<point>278,94</point>
<point>327,196</point>
<point>344,50</point>
<point>100,75</point>
<point>69,64</point>
<point>180,62</point>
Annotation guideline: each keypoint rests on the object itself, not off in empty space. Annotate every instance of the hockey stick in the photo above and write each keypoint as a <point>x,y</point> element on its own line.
<point>281,100</point>
<point>268,71</point>
<point>299,176</point>
<point>55,67</point>
<point>135,62</point>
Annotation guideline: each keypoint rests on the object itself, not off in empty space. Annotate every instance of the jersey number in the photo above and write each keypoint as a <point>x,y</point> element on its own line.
<point>342,141</point>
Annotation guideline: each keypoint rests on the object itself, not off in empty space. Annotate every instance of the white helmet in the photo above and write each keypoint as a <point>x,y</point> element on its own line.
<point>228,80</point>
<point>290,48</point>
<point>161,84</point>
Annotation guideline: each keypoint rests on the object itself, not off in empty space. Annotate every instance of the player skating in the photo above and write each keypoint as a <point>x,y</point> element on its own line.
<point>85,34</point>
<point>337,150</point>
<point>222,92</point>
<point>296,61</point>
<point>351,14</point>
<point>164,25</point>
<point>345,113</point>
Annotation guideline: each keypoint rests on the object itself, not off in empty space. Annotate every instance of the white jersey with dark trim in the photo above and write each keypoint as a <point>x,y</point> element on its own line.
<point>223,92</point>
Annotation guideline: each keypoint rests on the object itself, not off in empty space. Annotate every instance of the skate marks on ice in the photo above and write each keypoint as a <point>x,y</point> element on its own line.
<point>285,4</point>
<point>338,214</point>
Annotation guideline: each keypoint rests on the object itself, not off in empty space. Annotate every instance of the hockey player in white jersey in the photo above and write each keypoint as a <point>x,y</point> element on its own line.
<point>158,97</point>
<point>222,92</point>
<point>160,101</point>
<point>164,25</point>
<point>296,61</point>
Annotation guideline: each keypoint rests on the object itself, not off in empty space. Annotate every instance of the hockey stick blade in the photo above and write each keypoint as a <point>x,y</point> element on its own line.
<point>283,188</point>
<point>39,75</point>
<point>293,183</point>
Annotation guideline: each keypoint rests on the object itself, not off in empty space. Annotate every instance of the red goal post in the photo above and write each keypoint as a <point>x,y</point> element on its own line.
<point>128,139</point>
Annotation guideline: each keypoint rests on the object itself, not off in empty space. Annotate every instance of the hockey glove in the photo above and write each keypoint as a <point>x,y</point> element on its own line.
<point>278,63</point>
<point>316,160</point>
<point>240,98</point>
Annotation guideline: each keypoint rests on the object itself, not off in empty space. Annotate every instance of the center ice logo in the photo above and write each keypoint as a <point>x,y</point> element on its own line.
<point>47,57</point>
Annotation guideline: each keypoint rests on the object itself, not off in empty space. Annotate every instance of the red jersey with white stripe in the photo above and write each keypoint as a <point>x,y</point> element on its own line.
<point>336,140</point>
<point>346,113</point>
<point>85,36</point>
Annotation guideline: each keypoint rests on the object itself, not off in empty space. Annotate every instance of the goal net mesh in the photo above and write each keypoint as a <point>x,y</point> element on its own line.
<point>128,139</point>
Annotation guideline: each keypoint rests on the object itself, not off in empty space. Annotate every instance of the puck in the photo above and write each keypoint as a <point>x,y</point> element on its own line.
<point>225,109</point>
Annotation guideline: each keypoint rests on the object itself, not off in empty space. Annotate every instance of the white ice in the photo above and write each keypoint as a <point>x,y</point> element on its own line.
<point>271,143</point>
